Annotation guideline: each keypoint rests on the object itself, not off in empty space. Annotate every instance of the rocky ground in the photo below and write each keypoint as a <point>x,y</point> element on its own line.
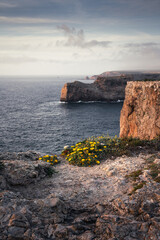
<point>118,199</point>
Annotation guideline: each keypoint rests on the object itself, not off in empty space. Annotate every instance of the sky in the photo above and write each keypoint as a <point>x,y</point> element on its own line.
<point>78,37</point>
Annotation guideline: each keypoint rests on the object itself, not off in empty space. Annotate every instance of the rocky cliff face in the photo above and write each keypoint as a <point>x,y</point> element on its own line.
<point>140,115</point>
<point>103,89</point>
<point>110,89</point>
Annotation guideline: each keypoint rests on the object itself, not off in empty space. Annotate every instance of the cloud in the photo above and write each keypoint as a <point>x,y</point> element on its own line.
<point>24,59</point>
<point>141,45</point>
<point>77,39</point>
<point>7,5</point>
<point>14,60</point>
<point>30,20</point>
<point>148,49</point>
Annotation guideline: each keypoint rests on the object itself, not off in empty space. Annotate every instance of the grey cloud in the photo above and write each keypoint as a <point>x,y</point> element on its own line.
<point>148,49</point>
<point>28,20</point>
<point>15,60</point>
<point>140,45</point>
<point>7,5</point>
<point>77,39</point>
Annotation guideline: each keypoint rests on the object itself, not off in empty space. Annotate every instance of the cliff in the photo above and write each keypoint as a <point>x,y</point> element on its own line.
<point>103,89</point>
<point>137,74</point>
<point>140,115</point>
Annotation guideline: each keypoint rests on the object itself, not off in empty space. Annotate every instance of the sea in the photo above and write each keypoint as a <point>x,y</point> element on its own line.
<point>33,118</point>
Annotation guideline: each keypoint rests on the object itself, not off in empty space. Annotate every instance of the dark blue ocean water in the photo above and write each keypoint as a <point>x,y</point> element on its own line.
<point>33,118</point>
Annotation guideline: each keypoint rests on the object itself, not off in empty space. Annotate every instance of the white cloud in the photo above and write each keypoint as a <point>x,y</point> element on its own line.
<point>7,59</point>
<point>39,54</point>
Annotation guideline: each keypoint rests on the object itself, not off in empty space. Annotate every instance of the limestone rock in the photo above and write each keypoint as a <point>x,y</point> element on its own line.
<point>130,218</point>
<point>103,89</point>
<point>110,87</point>
<point>77,203</point>
<point>140,115</point>
<point>25,156</point>
<point>21,218</point>
<point>15,174</point>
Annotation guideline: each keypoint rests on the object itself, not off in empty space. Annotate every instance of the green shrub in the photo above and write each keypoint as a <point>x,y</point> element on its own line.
<point>1,166</point>
<point>49,171</point>
<point>53,160</point>
<point>93,150</point>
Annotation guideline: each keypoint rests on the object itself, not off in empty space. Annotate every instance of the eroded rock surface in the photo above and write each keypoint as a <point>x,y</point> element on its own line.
<point>79,203</point>
<point>140,115</point>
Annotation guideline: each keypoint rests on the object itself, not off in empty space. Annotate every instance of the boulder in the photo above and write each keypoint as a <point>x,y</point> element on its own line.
<point>21,173</point>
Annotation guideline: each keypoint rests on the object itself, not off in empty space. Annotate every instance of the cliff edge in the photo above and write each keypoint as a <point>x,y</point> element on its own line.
<point>140,115</point>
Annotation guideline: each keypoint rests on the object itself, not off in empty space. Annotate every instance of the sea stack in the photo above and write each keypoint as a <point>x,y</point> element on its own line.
<point>140,115</point>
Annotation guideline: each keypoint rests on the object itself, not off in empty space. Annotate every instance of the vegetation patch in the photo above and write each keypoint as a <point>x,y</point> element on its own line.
<point>93,150</point>
<point>137,186</point>
<point>49,171</point>
<point>53,160</point>
<point>148,80</point>
<point>1,166</point>
<point>154,170</point>
<point>134,175</point>
<point>151,159</point>
<point>157,179</point>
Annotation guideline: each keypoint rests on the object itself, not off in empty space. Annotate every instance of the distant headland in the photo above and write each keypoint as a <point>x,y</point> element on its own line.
<point>108,86</point>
